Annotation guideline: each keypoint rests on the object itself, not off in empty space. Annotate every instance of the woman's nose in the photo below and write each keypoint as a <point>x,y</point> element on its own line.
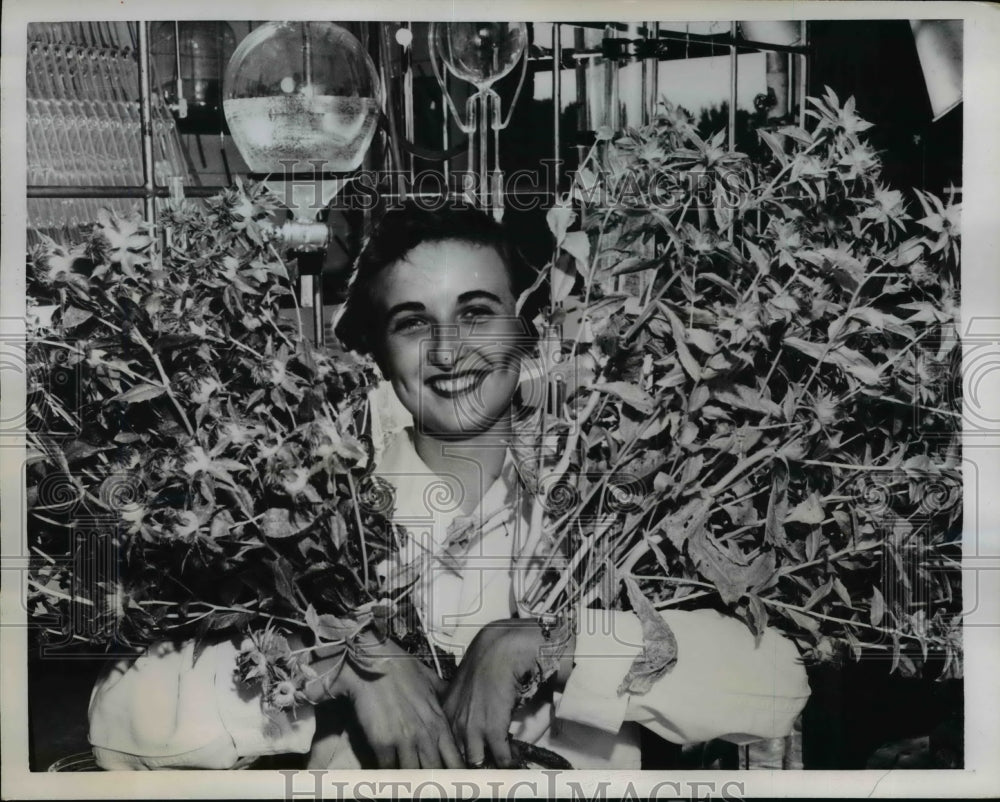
<point>442,350</point>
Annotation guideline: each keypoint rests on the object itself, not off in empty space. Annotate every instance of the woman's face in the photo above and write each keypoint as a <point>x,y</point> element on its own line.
<point>448,338</point>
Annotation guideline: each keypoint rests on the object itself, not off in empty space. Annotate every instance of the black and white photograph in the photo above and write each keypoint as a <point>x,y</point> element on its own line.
<point>400,405</point>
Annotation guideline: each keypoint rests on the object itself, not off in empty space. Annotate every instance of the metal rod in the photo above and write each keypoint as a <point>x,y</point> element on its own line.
<point>307,56</point>
<point>470,116</point>
<point>408,116</point>
<point>177,62</point>
<point>557,100</point>
<point>611,92</point>
<point>803,73</point>
<point>460,194</point>
<point>644,111</point>
<point>385,71</point>
<point>146,121</point>
<point>733,82</point>
<point>732,39</point>
<point>484,177</point>
<point>792,79</point>
<point>654,31</point>
<point>319,331</point>
<point>496,176</point>
<point>445,127</point>
<point>209,191</point>
<point>579,52</point>
<point>65,191</point>
<point>583,116</point>
<point>580,73</point>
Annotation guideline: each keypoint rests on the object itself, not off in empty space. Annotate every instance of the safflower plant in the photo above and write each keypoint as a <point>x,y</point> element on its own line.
<point>757,409</point>
<point>197,466</point>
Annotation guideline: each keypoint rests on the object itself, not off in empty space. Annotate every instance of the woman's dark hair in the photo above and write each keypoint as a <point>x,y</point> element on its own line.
<point>400,231</point>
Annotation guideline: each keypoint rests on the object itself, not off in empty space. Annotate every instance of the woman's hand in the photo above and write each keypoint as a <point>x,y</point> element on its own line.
<point>484,692</point>
<point>398,710</point>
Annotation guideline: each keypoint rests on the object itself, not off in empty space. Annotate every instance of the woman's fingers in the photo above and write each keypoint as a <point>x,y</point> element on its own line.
<point>436,746</point>
<point>427,751</point>
<point>407,753</point>
<point>385,756</point>
<point>475,748</point>
<point>499,747</point>
<point>449,752</point>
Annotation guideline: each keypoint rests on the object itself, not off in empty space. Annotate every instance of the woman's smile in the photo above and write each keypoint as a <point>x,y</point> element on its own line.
<point>455,385</point>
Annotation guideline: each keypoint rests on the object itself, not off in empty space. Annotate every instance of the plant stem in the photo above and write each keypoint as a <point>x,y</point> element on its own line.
<point>845,465</point>
<point>215,608</point>
<point>242,346</point>
<point>423,626</point>
<point>295,298</point>
<point>774,364</point>
<point>739,468</point>
<point>59,594</point>
<point>781,174</point>
<point>361,530</point>
<point>57,344</point>
<point>829,345</point>
<point>640,319</point>
<point>675,601</point>
<point>323,645</point>
<point>791,569</point>
<point>165,380</point>
<point>567,572</point>
<point>922,407</point>
<point>799,609</point>
<point>674,580</point>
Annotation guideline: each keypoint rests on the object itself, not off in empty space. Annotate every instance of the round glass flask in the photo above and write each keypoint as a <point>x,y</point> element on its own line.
<point>302,92</point>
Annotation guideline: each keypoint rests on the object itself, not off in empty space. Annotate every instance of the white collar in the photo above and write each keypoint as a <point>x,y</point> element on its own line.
<point>426,499</point>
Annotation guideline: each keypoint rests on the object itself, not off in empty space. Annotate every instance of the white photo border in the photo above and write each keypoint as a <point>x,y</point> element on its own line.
<point>980,302</point>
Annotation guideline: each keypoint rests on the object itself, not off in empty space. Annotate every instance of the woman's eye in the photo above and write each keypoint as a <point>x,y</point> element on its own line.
<point>476,312</point>
<point>409,324</point>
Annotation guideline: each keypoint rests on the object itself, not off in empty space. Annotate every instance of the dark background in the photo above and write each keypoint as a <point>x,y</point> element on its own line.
<point>876,61</point>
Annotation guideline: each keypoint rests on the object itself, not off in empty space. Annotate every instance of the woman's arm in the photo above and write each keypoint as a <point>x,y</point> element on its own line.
<point>722,684</point>
<point>167,709</point>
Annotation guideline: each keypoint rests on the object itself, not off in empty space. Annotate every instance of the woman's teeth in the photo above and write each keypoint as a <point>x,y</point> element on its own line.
<point>455,384</point>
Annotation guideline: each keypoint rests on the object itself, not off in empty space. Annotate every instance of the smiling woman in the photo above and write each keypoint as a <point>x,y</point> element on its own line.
<point>448,336</point>
<point>433,302</point>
